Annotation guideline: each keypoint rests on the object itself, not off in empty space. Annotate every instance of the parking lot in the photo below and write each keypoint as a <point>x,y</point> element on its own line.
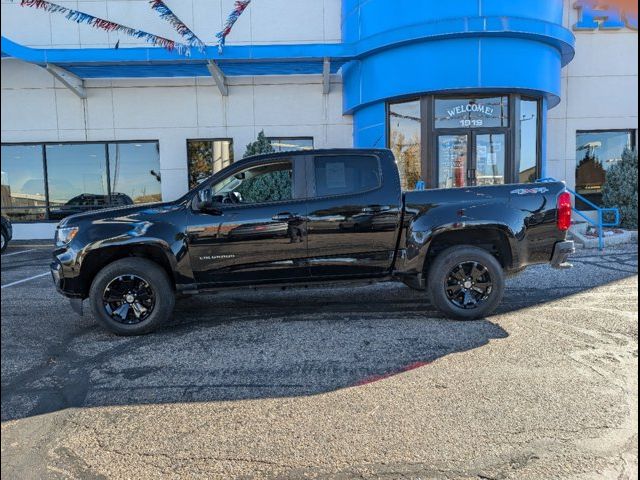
<point>334,384</point>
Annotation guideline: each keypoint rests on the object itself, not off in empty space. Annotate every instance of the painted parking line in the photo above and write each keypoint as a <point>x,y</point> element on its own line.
<point>18,282</point>
<point>18,253</point>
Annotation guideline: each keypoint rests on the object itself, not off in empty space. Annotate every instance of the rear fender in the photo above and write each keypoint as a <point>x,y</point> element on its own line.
<point>423,233</point>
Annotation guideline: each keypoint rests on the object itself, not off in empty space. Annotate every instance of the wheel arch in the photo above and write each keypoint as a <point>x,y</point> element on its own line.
<point>96,259</point>
<point>494,239</point>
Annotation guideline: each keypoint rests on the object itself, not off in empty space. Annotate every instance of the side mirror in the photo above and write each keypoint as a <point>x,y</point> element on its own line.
<point>205,196</point>
<point>206,201</point>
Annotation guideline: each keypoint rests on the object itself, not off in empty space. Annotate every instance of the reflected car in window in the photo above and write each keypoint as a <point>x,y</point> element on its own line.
<point>89,201</point>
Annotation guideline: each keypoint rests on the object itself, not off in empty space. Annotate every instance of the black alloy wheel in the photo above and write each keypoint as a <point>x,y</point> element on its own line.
<point>132,296</point>
<point>465,282</point>
<point>129,299</point>
<point>468,285</point>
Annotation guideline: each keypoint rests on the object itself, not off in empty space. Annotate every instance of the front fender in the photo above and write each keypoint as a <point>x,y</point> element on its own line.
<point>107,240</point>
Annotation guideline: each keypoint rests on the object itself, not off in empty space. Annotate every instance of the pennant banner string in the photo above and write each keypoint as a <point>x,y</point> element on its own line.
<point>239,8</point>
<point>179,26</point>
<point>81,17</point>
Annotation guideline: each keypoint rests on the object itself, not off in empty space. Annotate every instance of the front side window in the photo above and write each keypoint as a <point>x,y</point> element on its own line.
<point>405,140</point>
<point>477,112</point>
<point>206,157</point>
<point>258,184</point>
<point>596,153</point>
<point>346,174</point>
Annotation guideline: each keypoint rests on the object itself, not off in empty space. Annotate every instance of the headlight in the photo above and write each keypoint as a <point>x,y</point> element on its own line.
<point>65,235</point>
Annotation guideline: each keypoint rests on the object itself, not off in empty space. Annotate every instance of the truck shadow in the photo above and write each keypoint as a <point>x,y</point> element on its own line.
<point>253,345</point>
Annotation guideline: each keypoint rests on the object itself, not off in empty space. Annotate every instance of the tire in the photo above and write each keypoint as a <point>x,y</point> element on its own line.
<point>451,294</point>
<point>142,277</point>
<point>5,241</point>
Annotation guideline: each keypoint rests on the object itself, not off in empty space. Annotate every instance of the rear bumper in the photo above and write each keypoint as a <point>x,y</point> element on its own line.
<point>561,253</point>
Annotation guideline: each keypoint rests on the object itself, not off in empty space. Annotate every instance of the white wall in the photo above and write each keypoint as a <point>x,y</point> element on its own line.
<point>599,92</point>
<point>264,22</point>
<point>37,108</point>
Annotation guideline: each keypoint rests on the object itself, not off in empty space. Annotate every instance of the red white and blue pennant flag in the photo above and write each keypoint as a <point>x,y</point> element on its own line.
<point>179,26</point>
<point>81,17</point>
<point>239,8</point>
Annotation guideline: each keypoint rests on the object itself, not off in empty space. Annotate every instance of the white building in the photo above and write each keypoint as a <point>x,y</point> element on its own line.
<point>86,124</point>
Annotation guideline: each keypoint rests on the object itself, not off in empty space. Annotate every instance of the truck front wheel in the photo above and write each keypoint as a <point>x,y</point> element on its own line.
<point>466,282</point>
<point>132,296</point>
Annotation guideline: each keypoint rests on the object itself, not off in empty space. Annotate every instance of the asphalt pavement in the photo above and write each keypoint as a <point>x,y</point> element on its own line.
<point>336,383</point>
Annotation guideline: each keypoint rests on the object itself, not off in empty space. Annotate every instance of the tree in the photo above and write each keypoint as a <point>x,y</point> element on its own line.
<point>260,146</point>
<point>621,188</point>
<point>271,186</point>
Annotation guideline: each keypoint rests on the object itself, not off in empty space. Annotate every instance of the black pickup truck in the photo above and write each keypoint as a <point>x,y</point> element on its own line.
<point>306,218</point>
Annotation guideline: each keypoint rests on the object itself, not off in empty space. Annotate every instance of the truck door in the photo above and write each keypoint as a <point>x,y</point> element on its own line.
<point>353,215</point>
<point>259,233</point>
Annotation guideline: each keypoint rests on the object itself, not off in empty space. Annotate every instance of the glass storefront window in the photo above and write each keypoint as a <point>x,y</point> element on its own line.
<point>134,173</point>
<point>207,157</point>
<point>77,178</point>
<point>405,141</point>
<point>43,182</point>
<point>597,152</point>
<point>528,141</point>
<point>472,112</point>
<point>23,192</point>
<point>291,144</point>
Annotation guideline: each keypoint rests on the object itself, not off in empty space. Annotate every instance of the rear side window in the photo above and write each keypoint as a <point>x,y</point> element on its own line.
<point>346,174</point>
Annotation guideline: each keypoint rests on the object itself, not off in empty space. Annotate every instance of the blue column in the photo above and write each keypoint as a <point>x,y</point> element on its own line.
<point>543,135</point>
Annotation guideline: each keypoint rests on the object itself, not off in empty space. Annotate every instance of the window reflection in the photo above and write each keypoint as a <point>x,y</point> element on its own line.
<point>291,144</point>
<point>134,173</point>
<point>258,184</point>
<point>597,152</point>
<point>77,179</point>
<point>405,141</point>
<point>23,192</point>
<point>207,157</point>
<point>528,141</point>
<point>453,155</point>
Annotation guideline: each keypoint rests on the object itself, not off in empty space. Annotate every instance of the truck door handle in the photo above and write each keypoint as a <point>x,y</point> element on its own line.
<point>283,217</point>
<point>375,209</point>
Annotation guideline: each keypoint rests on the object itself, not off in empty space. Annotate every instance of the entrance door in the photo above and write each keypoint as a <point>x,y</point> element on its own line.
<point>471,158</point>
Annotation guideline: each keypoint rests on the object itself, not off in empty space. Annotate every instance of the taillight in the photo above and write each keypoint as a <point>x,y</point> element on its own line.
<point>564,211</point>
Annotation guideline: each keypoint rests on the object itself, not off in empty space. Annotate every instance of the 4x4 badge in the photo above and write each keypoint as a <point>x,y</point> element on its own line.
<point>529,191</point>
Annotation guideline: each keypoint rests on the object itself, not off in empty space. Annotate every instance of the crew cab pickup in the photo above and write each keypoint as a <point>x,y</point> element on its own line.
<point>309,218</point>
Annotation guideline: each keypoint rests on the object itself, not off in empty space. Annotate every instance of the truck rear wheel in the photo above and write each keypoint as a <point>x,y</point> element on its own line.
<point>466,283</point>
<point>132,296</point>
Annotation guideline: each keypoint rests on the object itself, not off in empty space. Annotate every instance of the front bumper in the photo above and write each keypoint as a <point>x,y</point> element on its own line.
<point>56,275</point>
<point>561,253</point>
